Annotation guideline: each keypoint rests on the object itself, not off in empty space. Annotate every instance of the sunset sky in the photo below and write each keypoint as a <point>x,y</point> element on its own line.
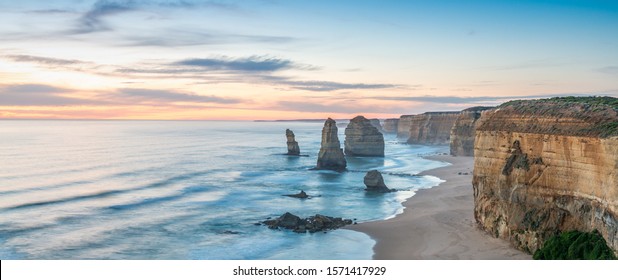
<point>268,59</point>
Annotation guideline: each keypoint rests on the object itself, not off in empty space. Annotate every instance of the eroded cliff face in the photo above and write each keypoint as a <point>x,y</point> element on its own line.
<point>390,125</point>
<point>545,167</point>
<point>331,155</point>
<point>363,139</point>
<point>433,128</point>
<point>403,126</point>
<point>462,132</point>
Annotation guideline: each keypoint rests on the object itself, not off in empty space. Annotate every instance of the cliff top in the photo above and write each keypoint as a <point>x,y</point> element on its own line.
<point>577,116</point>
<point>478,108</point>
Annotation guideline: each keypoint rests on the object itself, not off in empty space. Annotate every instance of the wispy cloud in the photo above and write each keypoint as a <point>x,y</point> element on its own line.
<point>93,19</point>
<point>612,70</point>
<point>455,100</point>
<point>44,60</point>
<point>37,95</point>
<point>333,86</point>
<point>246,64</point>
<point>195,38</point>
<point>158,96</point>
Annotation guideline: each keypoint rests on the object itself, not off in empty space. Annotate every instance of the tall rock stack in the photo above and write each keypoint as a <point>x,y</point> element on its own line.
<point>293,149</point>
<point>462,133</point>
<point>331,155</point>
<point>390,125</point>
<point>363,139</point>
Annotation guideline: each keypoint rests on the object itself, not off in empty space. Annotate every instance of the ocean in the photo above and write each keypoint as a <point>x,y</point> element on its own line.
<point>186,190</point>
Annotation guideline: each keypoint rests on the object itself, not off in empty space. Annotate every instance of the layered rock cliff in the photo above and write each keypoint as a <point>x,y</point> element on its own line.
<point>403,126</point>
<point>376,124</point>
<point>390,125</point>
<point>363,139</point>
<point>462,132</point>
<point>331,155</point>
<point>433,128</point>
<point>293,148</point>
<point>547,166</point>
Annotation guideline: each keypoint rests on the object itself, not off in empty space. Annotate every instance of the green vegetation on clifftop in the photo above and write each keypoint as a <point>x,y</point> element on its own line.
<point>597,115</point>
<point>575,245</point>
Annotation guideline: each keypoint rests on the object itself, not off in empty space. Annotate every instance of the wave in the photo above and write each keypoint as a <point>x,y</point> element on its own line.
<point>103,194</point>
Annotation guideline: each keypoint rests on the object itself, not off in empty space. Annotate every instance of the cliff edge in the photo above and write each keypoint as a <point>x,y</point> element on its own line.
<point>546,166</point>
<point>462,133</point>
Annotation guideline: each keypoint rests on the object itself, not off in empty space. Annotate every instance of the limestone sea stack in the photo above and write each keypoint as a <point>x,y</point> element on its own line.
<point>547,166</point>
<point>331,155</point>
<point>374,182</point>
<point>293,148</point>
<point>462,133</point>
<point>363,139</point>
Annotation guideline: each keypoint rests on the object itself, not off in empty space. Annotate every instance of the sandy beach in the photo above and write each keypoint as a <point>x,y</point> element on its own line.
<point>438,223</point>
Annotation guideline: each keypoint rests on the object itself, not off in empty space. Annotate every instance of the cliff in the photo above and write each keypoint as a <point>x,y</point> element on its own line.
<point>390,125</point>
<point>330,155</point>
<point>462,132</point>
<point>433,128</point>
<point>403,126</point>
<point>363,139</point>
<point>546,166</point>
<point>293,148</point>
<point>376,124</point>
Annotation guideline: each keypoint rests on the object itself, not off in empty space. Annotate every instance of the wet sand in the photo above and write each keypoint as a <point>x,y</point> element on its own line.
<point>438,223</point>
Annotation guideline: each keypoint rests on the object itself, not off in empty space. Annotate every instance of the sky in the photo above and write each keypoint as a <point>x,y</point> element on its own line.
<point>269,59</point>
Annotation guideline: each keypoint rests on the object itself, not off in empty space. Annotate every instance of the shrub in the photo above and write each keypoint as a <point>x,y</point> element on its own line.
<point>575,245</point>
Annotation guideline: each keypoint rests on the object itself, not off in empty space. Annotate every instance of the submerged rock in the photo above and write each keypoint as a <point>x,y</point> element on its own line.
<point>363,139</point>
<point>311,224</point>
<point>293,148</point>
<point>374,182</point>
<point>301,194</point>
<point>331,155</point>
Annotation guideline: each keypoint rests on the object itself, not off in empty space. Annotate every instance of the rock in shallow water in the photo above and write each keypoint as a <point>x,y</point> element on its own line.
<point>293,148</point>
<point>301,194</point>
<point>375,182</point>
<point>311,224</point>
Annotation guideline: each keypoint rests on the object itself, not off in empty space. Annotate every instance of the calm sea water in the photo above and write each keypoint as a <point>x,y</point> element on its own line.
<point>185,190</point>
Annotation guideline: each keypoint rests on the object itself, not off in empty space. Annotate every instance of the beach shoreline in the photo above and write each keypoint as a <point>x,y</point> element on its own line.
<point>438,223</point>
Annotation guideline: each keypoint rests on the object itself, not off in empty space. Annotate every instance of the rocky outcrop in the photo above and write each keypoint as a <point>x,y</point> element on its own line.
<point>374,182</point>
<point>390,125</point>
<point>302,194</point>
<point>547,166</point>
<point>462,132</point>
<point>431,128</point>
<point>310,224</point>
<point>363,139</point>
<point>331,155</point>
<point>293,148</point>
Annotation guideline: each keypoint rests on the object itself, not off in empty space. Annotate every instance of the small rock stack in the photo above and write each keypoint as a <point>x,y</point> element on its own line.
<point>293,149</point>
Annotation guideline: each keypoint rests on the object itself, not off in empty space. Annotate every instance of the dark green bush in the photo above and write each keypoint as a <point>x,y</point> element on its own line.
<point>575,245</point>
